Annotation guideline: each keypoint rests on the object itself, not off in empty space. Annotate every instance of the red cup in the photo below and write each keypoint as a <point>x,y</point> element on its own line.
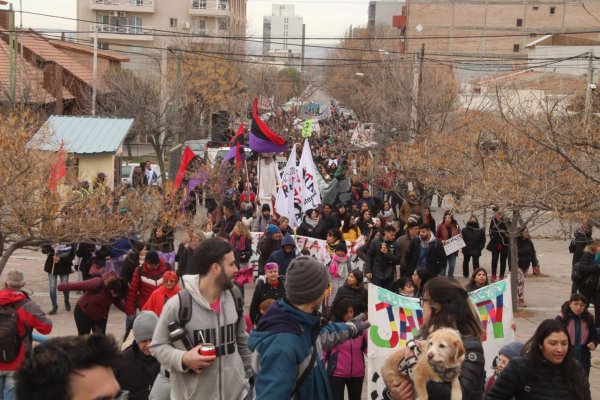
<point>207,350</point>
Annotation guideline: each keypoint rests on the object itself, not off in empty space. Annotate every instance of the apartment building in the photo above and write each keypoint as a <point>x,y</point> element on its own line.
<point>504,26</point>
<point>141,26</point>
<point>381,12</point>
<point>282,31</point>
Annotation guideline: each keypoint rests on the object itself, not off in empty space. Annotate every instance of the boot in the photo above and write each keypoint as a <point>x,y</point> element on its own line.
<point>67,305</point>
<point>53,311</point>
<point>493,279</point>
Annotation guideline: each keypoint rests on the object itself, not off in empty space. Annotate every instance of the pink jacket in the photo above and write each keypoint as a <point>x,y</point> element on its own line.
<point>347,359</point>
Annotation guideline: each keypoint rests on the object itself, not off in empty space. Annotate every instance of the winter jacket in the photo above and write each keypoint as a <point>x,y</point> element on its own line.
<point>283,258</point>
<point>66,254</point>
<point>578,243</point>
<point>226,225</point>
<point>580,329</point>
<point>474,238</point>
<point>590,271</point>
<point>347,359</point>
<point>403,244</point>
<point>357,295</point>
<point>163,244</point>
<point>498,234</point>
<point>318,232</point>
<point>29,317</point>
<point>224,379</point>
<point>282,341</point>
<point>143,285</point>
<point>159,298</point>
<point>382,266</point>
<point>266,246</point>
<point>136,372</point>
<point>410,206</point>
<point>443,234</point>
<point>132,261</point>
<point>514,383</point>
<point>364,226</point>
<point>96,300</point>
<point>186,263</point>
<point>265,291</point>
<point>352,235</point>
<point>260,223</point>
<point>242,246</point>
<point>526,253</point>
<point>430,255</point>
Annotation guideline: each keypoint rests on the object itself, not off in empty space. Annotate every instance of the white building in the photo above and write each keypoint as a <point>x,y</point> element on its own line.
<point>282,31</point>
<point>382,12</point>
<point>564,54</point>
<point>141,26</point>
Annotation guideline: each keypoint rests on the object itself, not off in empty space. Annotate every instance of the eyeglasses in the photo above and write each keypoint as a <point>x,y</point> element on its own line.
<point>422,301</point>
<point>122,395</point>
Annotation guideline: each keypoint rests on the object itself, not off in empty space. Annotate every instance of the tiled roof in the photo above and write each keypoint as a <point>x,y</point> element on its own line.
<point>111,55</point>
<point>84,135</point>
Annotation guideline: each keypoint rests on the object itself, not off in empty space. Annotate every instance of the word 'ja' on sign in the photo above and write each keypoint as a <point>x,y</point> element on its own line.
<point>454,244</point>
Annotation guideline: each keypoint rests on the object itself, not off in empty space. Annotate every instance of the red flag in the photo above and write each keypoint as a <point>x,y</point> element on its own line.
<point>238,138</point>
<point>188,155</point>
<point>59,169</point>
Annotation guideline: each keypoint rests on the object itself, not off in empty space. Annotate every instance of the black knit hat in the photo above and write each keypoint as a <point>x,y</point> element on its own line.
<point>306,280</point>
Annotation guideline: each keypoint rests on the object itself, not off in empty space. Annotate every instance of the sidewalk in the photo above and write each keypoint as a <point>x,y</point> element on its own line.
<point>544,295</point>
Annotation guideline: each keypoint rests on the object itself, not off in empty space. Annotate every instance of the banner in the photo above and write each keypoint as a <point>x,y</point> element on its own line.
<point>311,195</point>
<point>307,128</point>
<point>396,319</point>
<point>288,201</point>
<point>454,244</point>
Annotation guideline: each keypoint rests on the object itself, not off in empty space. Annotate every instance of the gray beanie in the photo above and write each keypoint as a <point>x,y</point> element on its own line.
<point>512,350</point>
<point>143,326</point>
<point>306,280</point>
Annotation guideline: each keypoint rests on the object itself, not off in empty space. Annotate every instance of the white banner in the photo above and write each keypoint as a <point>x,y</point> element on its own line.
<point>397,319</point>
<point>455,243</point>
<point>288,199</point>
<point>311,195</point>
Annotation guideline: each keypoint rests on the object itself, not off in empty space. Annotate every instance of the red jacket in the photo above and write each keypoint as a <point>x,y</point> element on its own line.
<point>158,298</point>
<point>30,316</point>
<point>142,286</point>
<point>96,301</point>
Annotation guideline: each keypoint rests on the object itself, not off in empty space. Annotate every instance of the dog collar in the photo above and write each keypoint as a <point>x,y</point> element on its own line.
<point>444,374</point>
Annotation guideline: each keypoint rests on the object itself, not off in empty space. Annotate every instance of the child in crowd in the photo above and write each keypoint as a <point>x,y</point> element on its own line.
<point>580,324</point>
<point>339,269</point>
<point>506,353</point>
<point>345,363</point>
<point>164,292</point>
<point>404,286</point>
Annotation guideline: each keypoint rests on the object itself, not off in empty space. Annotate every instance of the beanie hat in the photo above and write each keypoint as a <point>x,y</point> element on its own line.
<point>266,207</point>
<point>512,350</point>
<point>152,257</point>
<point>306,280</point>
<point>143,326</point>
<point>170,275</point>
<point>271,229</point>
<point>341,246</point>
<point>271,265</point>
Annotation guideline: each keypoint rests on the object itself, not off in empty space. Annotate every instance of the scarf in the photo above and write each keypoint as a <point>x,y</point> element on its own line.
<point>338,268</point>
<point>331,246</point>
<point>238,242</point>
<point>311,222</point>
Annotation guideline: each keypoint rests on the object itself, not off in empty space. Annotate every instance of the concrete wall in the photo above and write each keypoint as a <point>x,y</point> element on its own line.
<point>90,165</point>
<point>574,67</point>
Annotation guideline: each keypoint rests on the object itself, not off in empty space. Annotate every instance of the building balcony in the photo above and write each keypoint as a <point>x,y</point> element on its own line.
<point>212,36</point>
<point>123,32</point>
<point>210,8</point>
<point>138,6</point>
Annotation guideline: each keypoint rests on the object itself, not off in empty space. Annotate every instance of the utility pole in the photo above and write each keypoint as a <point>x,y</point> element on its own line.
<point>588,89</point>
<point>12,71</point>
<point>95,71</point>
<point>303,40</point>
<point>417,79</point>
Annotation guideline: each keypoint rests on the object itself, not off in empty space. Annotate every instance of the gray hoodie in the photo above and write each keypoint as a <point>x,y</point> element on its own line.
<point>225,379</point>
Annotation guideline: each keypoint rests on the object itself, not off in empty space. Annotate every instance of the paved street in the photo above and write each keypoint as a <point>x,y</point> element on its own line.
<point>544,295</point>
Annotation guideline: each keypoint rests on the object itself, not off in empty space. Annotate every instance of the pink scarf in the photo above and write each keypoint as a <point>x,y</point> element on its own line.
<point>334,267</point>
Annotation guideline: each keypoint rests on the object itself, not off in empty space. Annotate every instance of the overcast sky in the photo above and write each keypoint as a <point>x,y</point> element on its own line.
<point>322,18</point>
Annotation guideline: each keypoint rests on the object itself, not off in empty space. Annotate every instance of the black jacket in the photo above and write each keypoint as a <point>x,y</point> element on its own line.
<point>474,238</point>
<point>578,243</point>
<point>282,258</point>
<point>136,372</point>
<point>357,295</point>
<point>382,266</point>
<point>526,253</point>
<point>317,232</point>
<point>64,265</point>
<point>498,234</point>
<point>264,291</point>
<point>514,383</point>
<point>435,257</point>
<point>590,273</point>
<point>185,266</point>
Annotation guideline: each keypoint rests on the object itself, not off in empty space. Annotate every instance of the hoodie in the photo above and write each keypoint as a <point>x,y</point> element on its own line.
<point>225,379</point>
<point>283,343</point>
<point>281,257</point>
<point>30,316</point>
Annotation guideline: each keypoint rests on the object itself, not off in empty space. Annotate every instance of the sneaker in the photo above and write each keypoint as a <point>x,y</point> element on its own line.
<point>53,311</point>
<point>67,306</point>
<point>493,279</point>
<point>501,277</point>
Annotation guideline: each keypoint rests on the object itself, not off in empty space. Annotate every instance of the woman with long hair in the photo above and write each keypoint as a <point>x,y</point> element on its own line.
<point>547,371</point>
<point>478,279</point>
<point>446,304</point>
<point>446,230</point>
<point>350,232</point>
<point>419,277</point>
<point>354,290</point>
<point>366,223</point>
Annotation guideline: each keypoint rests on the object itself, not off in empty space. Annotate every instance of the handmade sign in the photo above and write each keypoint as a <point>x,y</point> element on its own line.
<point>454,244</point>
<point>396,319</point>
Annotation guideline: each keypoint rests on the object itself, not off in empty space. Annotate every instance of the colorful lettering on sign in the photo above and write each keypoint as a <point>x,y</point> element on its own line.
<point>492,314</point>
<point>392,342</point>
<point>408,325</point>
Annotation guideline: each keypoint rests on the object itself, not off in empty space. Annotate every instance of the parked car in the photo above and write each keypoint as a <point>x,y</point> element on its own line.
<point>127,173</point>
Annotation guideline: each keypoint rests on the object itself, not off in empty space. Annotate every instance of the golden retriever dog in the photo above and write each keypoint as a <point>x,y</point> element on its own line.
<point>441,357</point>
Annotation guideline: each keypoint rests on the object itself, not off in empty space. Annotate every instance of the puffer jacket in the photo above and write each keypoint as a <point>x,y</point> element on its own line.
<point>347,359</point>
<point>265,291</point>
<point>513,383</point>
<point>474,238</point>
<point>590,273</point>
<point>142,285</point>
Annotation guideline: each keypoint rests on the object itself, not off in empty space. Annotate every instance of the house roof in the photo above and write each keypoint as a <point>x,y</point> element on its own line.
<point>550,82</point>
<point>84,135</point>
<point>557,39</point>
<point>110,55</point>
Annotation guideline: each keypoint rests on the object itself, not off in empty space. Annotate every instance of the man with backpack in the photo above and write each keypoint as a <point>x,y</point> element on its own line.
<point>18,317</point>
<point>201,334</point>
<point>425,251</point>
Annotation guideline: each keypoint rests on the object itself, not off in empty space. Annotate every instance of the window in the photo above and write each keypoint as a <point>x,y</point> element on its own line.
<point>519,21</point>
<point>223,24</point>
<point>477,90</point>
<point>172,22</point>
<point>134,49</point>
<point>552,10</point>
<point>102,46</point>
<point>201,24</point>
<point>535,8</point>
<point>516,48</point>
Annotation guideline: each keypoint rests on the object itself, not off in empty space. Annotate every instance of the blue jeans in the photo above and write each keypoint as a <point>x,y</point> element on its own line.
<point>52,288</point>
<point>451,265</point>
<point>7,385</point>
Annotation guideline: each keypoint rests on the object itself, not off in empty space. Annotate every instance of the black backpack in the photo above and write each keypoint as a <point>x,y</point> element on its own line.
<point>10,341</point>
<point>185,305</point>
